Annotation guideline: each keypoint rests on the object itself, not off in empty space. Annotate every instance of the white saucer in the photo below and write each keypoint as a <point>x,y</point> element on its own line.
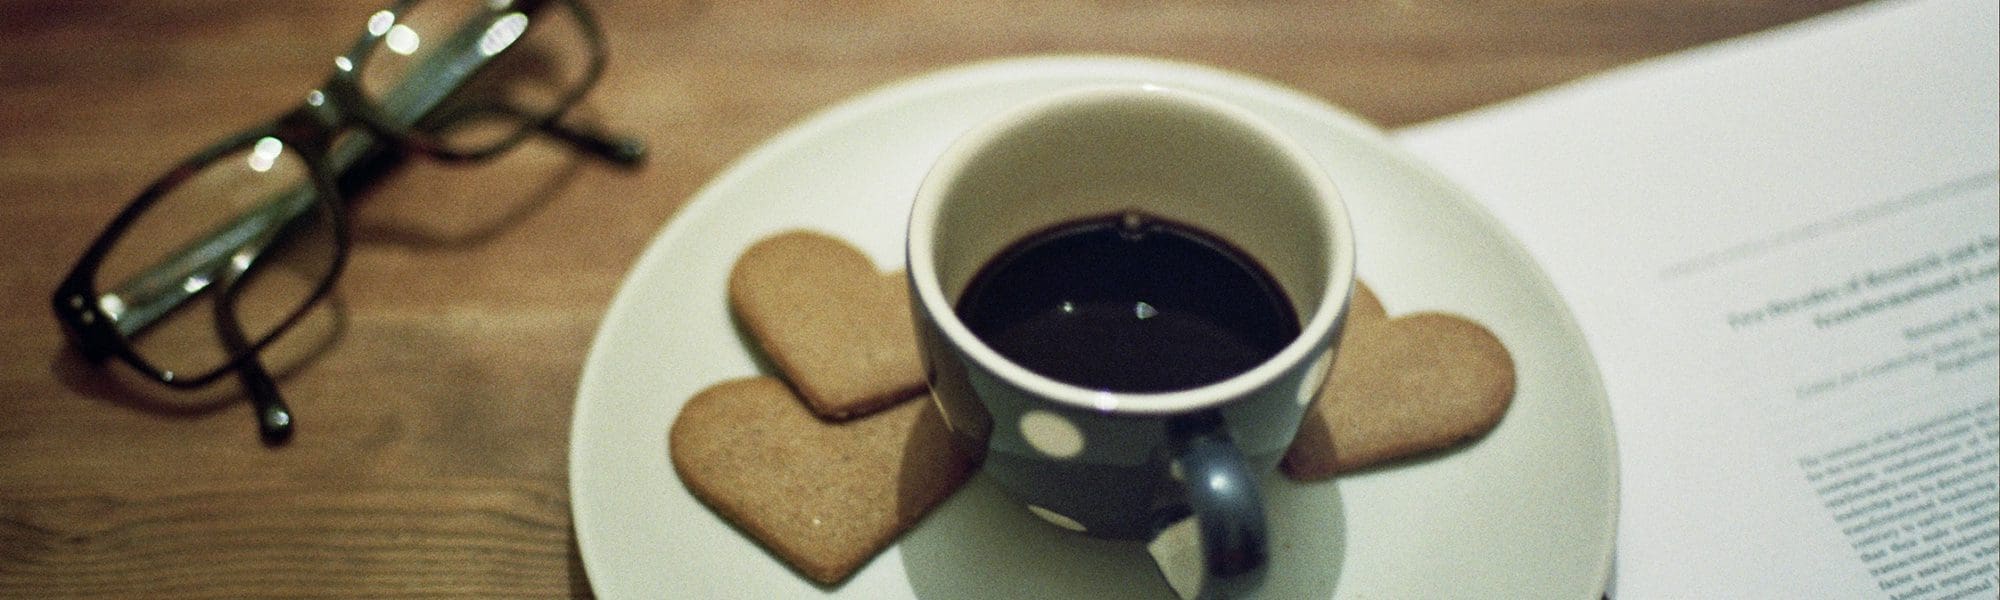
<point>1526,512</point>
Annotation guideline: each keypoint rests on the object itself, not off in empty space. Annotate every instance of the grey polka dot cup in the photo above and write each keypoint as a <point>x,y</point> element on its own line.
<point>1126,296</point>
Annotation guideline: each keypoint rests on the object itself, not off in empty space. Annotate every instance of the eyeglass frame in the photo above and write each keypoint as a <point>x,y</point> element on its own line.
<point>336,107</point>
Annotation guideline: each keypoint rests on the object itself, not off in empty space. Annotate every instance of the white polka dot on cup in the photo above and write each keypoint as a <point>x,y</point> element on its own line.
<point>1051,434</point>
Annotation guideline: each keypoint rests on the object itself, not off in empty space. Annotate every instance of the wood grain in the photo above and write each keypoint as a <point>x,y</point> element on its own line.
<point>434,396</point>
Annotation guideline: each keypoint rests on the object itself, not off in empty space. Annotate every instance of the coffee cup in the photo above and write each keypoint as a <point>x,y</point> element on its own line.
<point>1126,295</point>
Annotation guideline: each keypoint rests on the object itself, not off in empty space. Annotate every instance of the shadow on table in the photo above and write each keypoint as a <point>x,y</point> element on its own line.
<point>442,206</point>
<point>579,580</point>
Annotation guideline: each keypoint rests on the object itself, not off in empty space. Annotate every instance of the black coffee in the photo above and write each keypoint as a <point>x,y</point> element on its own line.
<point>1128,303</point>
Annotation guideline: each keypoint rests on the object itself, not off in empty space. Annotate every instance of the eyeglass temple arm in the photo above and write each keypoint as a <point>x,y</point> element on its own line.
<point>620,150</point>
<point>274,417</point>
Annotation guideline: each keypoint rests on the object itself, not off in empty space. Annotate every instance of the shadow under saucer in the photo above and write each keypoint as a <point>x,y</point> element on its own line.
<point>983,544</point>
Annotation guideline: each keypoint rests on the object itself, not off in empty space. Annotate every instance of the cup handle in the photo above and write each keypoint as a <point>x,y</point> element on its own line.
<point>1225,529</point>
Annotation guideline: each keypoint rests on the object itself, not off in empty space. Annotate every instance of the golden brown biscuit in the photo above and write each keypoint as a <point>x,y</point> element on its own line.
<point>1401,387</point>
<point>839,330</point>
<point>823,496</point>
<point>1364,310</point>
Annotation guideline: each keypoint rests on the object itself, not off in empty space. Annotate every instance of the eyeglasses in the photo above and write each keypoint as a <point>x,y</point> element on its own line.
<point>229,249</point>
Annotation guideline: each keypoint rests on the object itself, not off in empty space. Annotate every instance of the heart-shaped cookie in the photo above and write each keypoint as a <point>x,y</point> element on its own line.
<point>1401,387</point>
<point>838,329</point>
<point>1364,310</point>
<point>823,496</point>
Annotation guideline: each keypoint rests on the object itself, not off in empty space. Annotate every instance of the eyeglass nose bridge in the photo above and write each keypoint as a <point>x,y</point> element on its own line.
<point>312,126</point>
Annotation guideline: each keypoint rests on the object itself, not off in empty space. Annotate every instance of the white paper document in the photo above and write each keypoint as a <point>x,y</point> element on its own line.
<point>1785,252</point>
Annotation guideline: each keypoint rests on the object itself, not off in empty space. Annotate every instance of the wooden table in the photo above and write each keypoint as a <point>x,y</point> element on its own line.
<point>433,424</point>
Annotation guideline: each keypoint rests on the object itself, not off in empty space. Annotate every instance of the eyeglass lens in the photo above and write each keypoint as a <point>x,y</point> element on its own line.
<point>527,67</point>
<point>245,214</point>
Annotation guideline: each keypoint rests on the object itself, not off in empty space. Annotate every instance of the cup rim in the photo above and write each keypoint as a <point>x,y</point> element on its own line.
<point>1326,316</point>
